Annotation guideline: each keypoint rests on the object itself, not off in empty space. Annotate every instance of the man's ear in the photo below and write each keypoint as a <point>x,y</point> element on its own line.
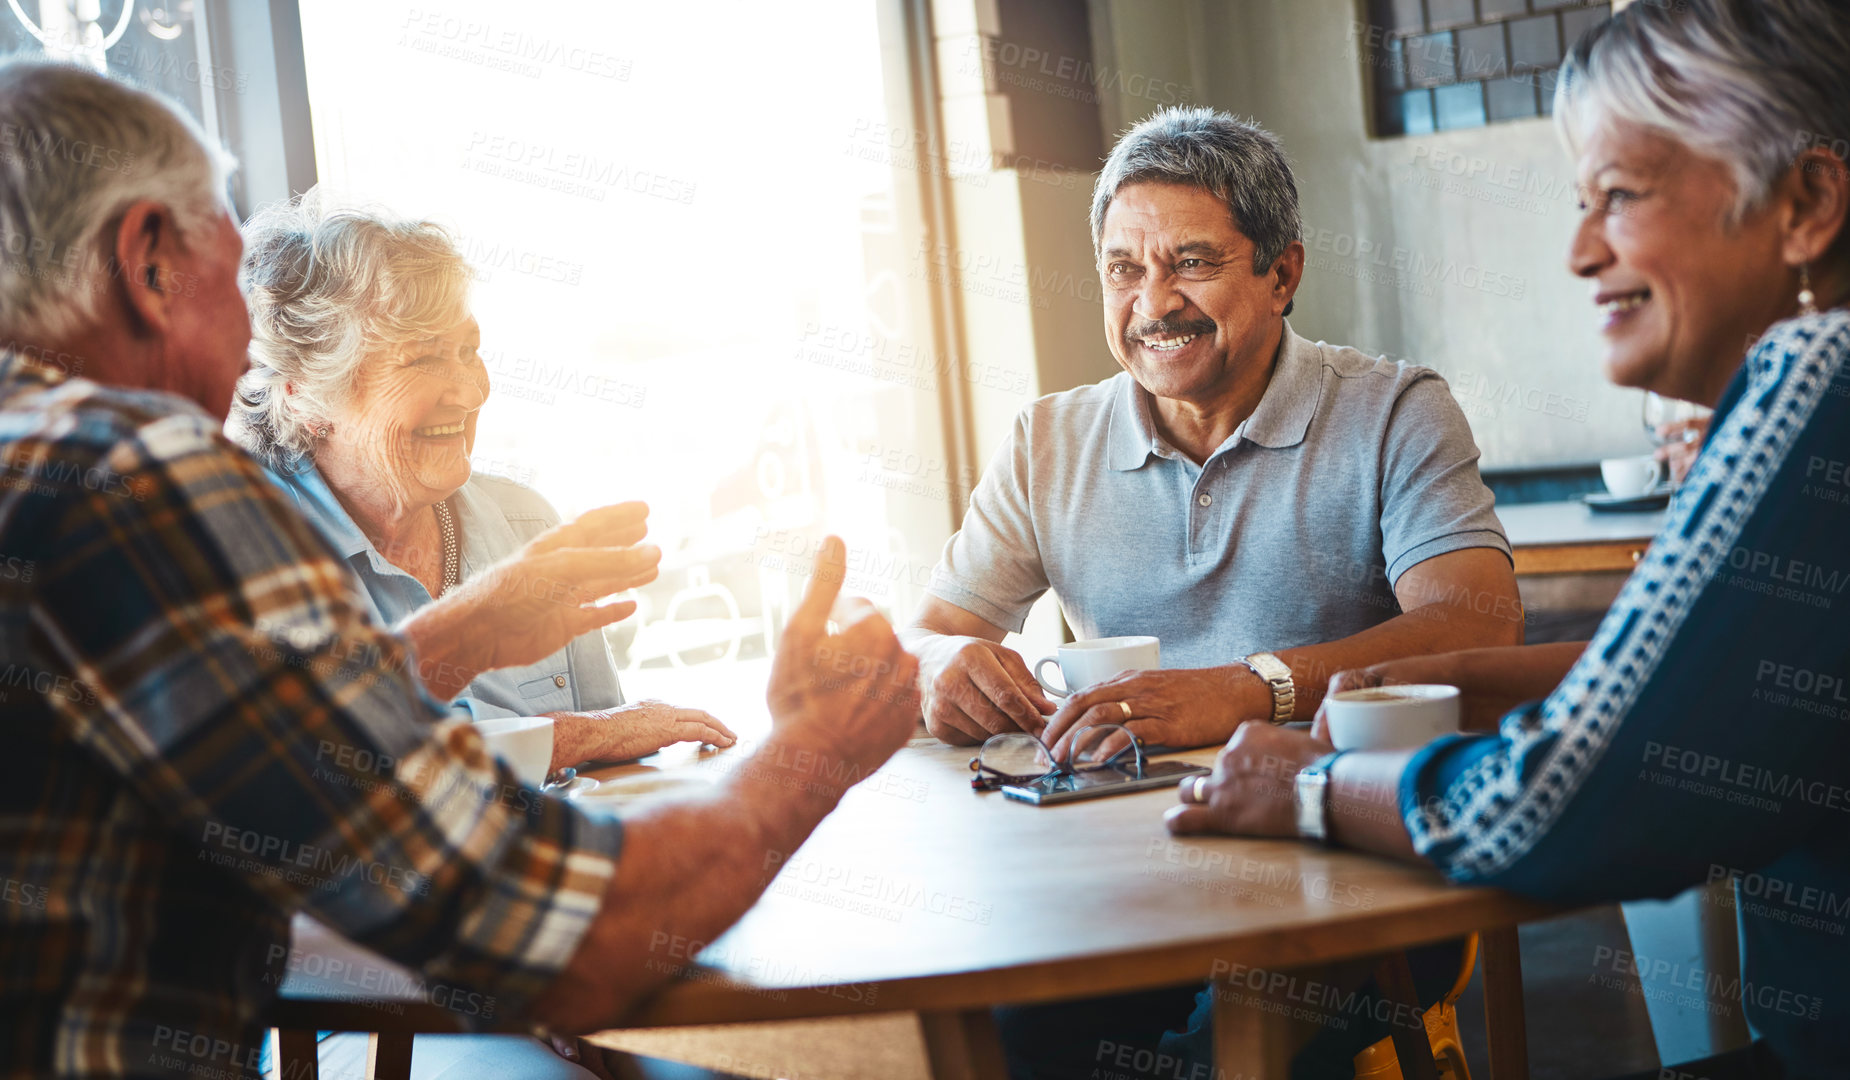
<point>1287,274</point>
<point>146,251</point>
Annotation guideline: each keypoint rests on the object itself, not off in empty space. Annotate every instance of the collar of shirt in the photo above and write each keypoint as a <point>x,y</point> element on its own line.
<point>1281,418</point>
<point>474,510</point>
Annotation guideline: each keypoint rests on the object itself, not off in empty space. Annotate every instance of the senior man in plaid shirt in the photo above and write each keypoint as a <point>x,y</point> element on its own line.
<point>205,733</point>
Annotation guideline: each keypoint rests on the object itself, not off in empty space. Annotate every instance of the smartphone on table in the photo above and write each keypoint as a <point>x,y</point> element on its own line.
<point>1100,782</point>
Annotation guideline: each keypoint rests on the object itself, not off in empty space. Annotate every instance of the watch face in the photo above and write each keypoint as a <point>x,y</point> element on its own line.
<point>1269,667</point>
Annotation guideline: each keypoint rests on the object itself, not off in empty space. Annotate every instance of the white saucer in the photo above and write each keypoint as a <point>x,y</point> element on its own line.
<point>626,789</point>
<point>1655,499</point>
<point>578,786</point>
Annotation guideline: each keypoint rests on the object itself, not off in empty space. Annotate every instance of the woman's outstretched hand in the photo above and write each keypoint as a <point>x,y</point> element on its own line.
<point>533,603</point>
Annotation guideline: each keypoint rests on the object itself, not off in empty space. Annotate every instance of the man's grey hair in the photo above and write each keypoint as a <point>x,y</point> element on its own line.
<point>76,149</point>
<point>1749,83</point>
<point>330,288</point>
<point>1238,162</point>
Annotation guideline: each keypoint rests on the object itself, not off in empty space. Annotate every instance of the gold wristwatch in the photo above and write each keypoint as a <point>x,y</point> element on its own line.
<point>1277,676</point>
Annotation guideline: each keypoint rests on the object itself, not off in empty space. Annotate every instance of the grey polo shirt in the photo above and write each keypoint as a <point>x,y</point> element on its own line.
<point>1350,470</point>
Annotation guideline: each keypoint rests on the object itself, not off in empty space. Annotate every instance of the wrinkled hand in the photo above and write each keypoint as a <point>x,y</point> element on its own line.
<point>1178,708</point>
<point>1252,790</point>
<point>635,730</point>
<point>533,603</point>
<point>984,690</point>
<point>1683,445</point>
<point>851,695</point>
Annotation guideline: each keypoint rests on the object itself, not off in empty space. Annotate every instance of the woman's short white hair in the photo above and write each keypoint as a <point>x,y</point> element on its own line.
<point>76,149</point>
<point>329,288</point>
<point>1749,83</point>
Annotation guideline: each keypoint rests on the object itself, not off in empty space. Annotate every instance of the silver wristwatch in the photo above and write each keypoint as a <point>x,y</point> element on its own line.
<point>1312,792</point>
<point>1277,675</point>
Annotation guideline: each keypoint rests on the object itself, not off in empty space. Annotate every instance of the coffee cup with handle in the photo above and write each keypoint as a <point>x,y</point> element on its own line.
<point>1629,477</point>
<point>1083,663</point>
<point>524,741</point>
<point>1391,717</point>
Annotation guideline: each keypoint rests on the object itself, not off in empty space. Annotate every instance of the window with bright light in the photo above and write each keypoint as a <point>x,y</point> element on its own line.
<point>696,244</point>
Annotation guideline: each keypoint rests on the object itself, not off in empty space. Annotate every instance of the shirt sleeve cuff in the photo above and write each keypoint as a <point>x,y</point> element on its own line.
<point>952,593</point>
<point>1444,545</point>
<point>538,902</point>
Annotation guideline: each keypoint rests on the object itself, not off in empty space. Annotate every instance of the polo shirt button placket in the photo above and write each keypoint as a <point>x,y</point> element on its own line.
<point>1198,523</point>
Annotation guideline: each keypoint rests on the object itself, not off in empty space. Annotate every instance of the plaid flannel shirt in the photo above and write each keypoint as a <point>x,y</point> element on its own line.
<point>206,733</point>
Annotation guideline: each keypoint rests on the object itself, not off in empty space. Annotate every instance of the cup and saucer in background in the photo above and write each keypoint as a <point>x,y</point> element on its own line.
<point>525,742</point>
<point>1633,485</point>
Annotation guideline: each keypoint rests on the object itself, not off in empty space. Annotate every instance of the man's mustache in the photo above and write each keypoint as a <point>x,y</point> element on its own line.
<point>1136,333</point>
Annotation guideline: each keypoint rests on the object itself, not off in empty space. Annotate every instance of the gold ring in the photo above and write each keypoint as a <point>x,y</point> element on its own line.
<point>1126,706</point>
<point>1194,789</point>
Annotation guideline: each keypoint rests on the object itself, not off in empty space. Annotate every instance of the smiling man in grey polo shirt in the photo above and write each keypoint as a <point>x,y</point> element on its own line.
<point>1275,510</point>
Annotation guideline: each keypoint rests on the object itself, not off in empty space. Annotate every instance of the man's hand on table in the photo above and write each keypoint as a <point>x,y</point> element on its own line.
<point>984,689</point>
<point>1178,708</point>
<point>533,603</point>
<point>1252,791</point>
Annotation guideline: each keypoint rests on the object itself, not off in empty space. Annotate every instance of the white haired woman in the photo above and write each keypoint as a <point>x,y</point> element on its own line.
<point>1703,734</point>
<point>362,399</point>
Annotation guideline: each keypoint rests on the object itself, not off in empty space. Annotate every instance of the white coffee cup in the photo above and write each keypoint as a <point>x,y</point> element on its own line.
<point>1391,717</point>
<point>1627,477</point>
<point>525,741</point>
<point>1085,662</point>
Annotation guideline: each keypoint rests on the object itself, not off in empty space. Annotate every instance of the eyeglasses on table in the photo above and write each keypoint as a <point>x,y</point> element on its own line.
<point>1016,758</point>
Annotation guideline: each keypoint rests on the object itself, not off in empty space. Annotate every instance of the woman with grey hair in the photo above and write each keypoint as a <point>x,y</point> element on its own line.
<point>1704,733</point>
<point>362,399</point>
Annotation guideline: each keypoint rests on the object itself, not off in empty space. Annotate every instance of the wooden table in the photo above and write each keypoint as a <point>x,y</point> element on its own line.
<point>1569,538</point>
<point>922,896</point>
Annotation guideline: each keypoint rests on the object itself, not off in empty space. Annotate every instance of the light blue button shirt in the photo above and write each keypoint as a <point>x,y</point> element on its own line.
<point>494,517</point>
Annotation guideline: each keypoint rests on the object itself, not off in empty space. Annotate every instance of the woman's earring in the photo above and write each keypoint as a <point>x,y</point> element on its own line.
<point>1808,303</point>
